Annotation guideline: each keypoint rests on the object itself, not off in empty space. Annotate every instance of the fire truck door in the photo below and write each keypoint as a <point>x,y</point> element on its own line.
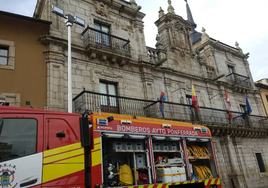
<point>21,147</point>
<point>60,132</point>
<point>63,153</point>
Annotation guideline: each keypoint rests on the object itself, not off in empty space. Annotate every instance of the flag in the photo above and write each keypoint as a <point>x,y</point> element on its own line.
<point>162,108</point>
<point>229,103</point>
<point>194,99</point>
<point>162,98</point>
<point>161,104</point>
<point>227,99</point>
<point>249,110</point>
<point>230,114</point>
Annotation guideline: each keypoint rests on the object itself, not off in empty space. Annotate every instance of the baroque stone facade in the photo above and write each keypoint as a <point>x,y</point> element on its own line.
<point>112,50</point>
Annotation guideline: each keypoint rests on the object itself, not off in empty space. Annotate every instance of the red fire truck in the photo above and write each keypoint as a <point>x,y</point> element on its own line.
<point>40,148</point>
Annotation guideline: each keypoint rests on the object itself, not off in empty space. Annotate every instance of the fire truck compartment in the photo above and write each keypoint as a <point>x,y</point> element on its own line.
<point>129,160</point>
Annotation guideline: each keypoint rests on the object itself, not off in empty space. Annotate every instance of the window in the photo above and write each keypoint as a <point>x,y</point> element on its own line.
<point>266,98</point>
<point>260,162</point>
<point>7,55</point>
<point>101,37</point>
<point>17,138</point>
<point>9,99</point>
<point>193,111</point>
<point>189,99</point>
<point>231,71</point>
<point>243,108</point>
<point>233,183</point>
<point>3,55</point>
<point>108,103</point>
<point>3,103</point>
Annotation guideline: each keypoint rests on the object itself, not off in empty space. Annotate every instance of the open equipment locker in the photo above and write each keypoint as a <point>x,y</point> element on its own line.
<point>161,158</point>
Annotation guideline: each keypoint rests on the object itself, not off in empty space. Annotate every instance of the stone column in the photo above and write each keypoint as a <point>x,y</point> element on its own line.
<point>147,79</point>
<point>231,154</point>
<point>56,78</point>
<point>169,26</point>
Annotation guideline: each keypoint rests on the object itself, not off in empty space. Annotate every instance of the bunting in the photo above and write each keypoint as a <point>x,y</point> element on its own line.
<point>227,98</point>
<point>230,115</point>
<point>229,103</point>
<point>194,99</point>
<point>162,98</point>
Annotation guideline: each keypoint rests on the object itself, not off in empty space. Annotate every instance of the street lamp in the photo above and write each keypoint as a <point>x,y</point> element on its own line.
<point>69,21</point>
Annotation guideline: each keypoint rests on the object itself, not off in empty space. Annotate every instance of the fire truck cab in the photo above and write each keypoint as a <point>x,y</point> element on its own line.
<point>40,148</point>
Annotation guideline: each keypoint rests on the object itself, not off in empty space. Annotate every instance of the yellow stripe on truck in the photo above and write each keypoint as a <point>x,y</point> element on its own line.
<point>96,152</point>
<point>66,167</point>
<point>96,147</point>
<point>97,140</point>
<point>62,149</point>
<point>62,156</point>
<point>212,181</point>
<point>96,158</point>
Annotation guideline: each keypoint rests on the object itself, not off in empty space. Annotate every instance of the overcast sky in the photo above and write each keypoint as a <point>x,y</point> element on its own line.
<point>244,21</point>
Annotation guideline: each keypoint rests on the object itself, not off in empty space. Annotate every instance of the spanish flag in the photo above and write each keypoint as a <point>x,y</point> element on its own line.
<point>194,99</point>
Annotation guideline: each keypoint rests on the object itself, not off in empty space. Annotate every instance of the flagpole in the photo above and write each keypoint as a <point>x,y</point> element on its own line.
<point>163,84</point>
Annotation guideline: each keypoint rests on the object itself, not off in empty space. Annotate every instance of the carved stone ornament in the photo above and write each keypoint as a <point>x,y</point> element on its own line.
<point>170,8</point>
<point>179,35</point>
<point>161,13</point>
<point>237,46</point>
<point>205,36</point>
<point>102,9</point>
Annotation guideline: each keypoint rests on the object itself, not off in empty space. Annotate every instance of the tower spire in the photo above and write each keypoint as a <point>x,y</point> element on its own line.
<point>189,16</point>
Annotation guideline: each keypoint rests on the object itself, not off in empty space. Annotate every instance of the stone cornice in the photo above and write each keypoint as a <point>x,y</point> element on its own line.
<point>236,131</point>
<point>124,7</point>
<point>223,47</point>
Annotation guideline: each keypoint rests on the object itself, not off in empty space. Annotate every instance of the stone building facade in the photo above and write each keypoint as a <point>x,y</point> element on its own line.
<point>110,57</point>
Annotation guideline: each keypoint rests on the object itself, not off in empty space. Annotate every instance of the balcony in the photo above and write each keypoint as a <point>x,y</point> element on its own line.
<point>238,80</point>
<point>210,117</point>
<point>105,45</point>
<point>156,56</point>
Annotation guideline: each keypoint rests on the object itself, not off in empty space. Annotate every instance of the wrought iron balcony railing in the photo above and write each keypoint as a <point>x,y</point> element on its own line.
<point>87,100</point>
<point>99,39</point>
<point>237,79</point>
